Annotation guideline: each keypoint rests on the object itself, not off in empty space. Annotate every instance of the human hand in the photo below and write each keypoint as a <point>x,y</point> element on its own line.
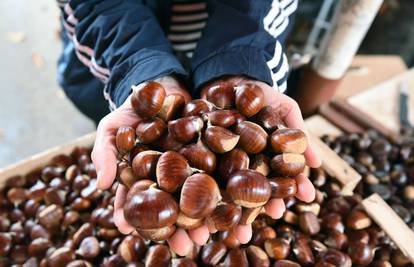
<point>290,115</point>
<point>104,156</point>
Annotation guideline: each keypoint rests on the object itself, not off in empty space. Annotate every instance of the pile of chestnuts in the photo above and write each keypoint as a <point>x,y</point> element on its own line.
<point>387,167</point>
<point>216,161</point>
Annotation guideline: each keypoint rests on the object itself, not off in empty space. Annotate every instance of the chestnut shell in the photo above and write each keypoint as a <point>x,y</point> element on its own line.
<point>147,99</point>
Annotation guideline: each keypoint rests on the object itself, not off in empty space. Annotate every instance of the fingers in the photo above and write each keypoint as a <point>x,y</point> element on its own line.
<point>199,235</point>
<point>243,233</point>
<point>306,190</point>
<point>275,208</point>
<point>119,218</point>
<point>293,118</point>
<point>180,242</point>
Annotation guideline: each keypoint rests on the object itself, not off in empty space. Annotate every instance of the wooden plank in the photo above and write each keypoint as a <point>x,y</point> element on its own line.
<point>381,101</point>
<point>26,165</point>
<point>336,166</point>
<point>339,120</point>
<point>362,118</point>
<point>319,126</point>
<point>391,223</point>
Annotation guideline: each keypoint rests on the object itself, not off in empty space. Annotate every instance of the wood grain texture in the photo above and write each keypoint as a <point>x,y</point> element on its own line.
<point>389,221</point>
<point>319,126</point>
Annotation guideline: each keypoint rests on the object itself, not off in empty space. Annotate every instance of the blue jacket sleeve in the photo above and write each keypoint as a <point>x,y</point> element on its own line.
<point>244,38</point>
<point>121,42</point>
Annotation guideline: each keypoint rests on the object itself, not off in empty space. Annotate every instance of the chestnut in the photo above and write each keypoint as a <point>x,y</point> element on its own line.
<point>287,140</point>
<point>277,248</point>
<point>158,234</point>
<point>220,140</point>
<point>150,130</point>
<point>16,195</point>
<point>173,104</point>
<point>336,240</point>
<point>186,222</point>
<point>225,216</point>
<point>222,118</point>
<point>286,263</point>
<point>236,258</point>
<point>308,223</point>
<point>358,219</point>
<point>221,94</point>
<point>283,187</point>
<point>212,253</point>
<point>288,164</point>
<point>186,129</point>
<point>158,256</point>
<point>253,139</point>
<point>89,248</point>
<point>249,215</point>
<point>51,216</point>
<point>144,164</point>
<point>139,186</point>
<point>79,263</point>
<point>183,262</point>
<point>361,254</point>
<point>60,257</point>
<point>197,107</point>
<point>229,239</point>
<point>302,250</point>
<point>38,247</point>
<point>167,142</point>
<point>5,244</point>
<point>257,257</point>
<point>261,163</point>
<point>132,248</point>
<point>200,195</point>
<point>249,99</point>
<point>263,234</point>
<point>268,118</point>
<point>249,188</point>
<point>200,157</point>
<point>332,257</point>
<point>147,98</point>
<point>172,170</point>
<point>231,162</point>
<point>150,209</point>
<point>124,174</point>
<point>112,261</point>
<point>84,231</point>
<point>333,221</point>
<point>125,139</point>
<point>19,254</point>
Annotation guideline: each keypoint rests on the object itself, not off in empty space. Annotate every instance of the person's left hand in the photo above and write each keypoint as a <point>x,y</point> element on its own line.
<point>290,115</point>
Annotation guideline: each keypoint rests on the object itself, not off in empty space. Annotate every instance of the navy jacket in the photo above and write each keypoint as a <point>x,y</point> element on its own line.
<point>111,45</point>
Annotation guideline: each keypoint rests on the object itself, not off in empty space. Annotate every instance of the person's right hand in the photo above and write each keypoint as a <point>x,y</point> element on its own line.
<point>104,156</point>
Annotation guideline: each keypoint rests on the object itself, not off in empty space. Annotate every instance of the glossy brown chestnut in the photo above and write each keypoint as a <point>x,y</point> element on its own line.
<point>39,246</point>
<point>5,243</point>
<point>283,187</point>
<point>150,209</point>
<point>277,248</point>
<point>361,253</point>
<point>221,94</point>
<point>173,105</point>
<point>358,219</point>
<point>309,223</point>
<point>220,140</point>
<point>158,234</point>
<point>231,162</point>
<point>333,221</point>
<point>197,107</point>
<point>16,195</point>
<point>229,239</point>
<point>288,164</point>
<point>139,186</point>
<point>132,249</point>
<point>144,164</point>
<point>269,118</point>
<point>336,240</point>
<point>172,170</point>
<point>186,222</point>
<point>253,139</point>
<point>286,263</point>
<point>263,234</point>
<point>60,257</point>
<point>335,258</point>
<point>167,142</point>
<point>124,174</point>
<point>302,250</point>
<point>249,188</point>
<point>150,130</point>
<point>260,163</point>
<point>147,98</point>
<point>222,118</point>
<point>212,253</point>
<point>158,256</point>
<point>183,262</point>
<point>225,216</point>
<point>89,248</point>
<point>50,216</point>
<point>249,99</point>
<point>125,139</point>
<point>287,140</point>
<point>200,195</point>
<point>186,129</point>
<point>235,258</point>
<point>257,257</point>
<point>200,157</point>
